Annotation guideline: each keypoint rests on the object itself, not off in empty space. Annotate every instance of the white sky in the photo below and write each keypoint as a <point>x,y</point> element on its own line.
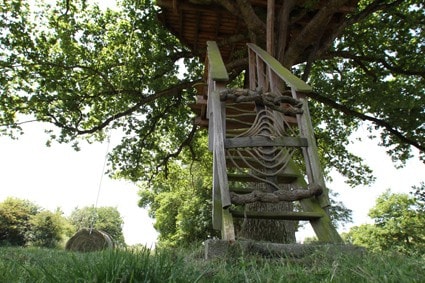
<point>58,176</point>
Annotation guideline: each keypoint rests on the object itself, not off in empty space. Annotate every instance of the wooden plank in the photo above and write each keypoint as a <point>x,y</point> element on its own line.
<point>270,26</point>
<point>259,141</point>
<point>281,178</point>
<point>218,70</point>
<point>227,230</point>
<point>218,147</point>
<point>278,215</point>
<point>286,75</point>
<point>217,208</point>
<point>311,152</point>
<point>211,86</point>
<point>262,80</point>
<point>252,71</point>
<point>323,227</point>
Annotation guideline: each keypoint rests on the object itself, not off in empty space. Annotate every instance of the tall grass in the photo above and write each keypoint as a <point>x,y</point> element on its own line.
<point>144,265</point>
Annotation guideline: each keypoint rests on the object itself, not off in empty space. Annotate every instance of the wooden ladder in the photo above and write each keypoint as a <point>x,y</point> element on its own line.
<point>255,135</point>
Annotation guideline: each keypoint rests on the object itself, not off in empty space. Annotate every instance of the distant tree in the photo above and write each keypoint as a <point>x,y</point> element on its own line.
<point>399,225</point>
<point>48,229</point>
<point>107,219</point>
<point>180,199</point>
<point>15,216</point>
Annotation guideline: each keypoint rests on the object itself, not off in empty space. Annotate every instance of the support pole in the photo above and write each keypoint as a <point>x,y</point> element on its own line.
<point>270,26</point>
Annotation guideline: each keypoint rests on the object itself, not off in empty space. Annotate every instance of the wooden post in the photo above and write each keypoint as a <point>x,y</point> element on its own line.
<point>311,155</point>
<point>270,26</point>
<point>217,77</point>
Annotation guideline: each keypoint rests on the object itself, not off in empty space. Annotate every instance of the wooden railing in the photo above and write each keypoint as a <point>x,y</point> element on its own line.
<point>267,73</point>
<point>217,78</point>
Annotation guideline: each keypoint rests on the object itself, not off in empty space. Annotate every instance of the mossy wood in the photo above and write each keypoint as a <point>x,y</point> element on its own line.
<point>216,66</point>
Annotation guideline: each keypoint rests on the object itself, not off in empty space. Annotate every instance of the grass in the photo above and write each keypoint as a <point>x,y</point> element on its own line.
<point>144,265</point>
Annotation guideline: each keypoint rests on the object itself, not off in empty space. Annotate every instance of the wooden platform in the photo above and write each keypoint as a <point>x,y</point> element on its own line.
<point>195,22</point>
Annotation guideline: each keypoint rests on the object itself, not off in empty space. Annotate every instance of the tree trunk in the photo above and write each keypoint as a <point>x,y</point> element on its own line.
<point>275,231</point>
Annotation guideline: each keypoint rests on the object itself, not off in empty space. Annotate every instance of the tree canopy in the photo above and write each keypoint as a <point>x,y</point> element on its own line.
<point>87,70</point>
<point>24,223</point>
<point>399,225</point>
<point>15,216</point>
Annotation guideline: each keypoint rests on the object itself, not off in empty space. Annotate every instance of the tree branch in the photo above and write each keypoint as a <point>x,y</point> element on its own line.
<point>172,91</point>
<point>376,121</point>
<point>255,25</point>
<point>311,32</point>
<point>186,142</point>
<point>283,29</point>
<point>370,9</point>
<point>360,58</point>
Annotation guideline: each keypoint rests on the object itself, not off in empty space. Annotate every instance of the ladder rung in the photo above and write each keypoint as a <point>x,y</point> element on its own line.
<point>281,215</point>
<point>281,178</point>
<point>242,162</point>
<point>261,141</point>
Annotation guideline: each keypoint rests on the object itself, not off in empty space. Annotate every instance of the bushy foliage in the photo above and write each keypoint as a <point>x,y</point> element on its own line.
<point>399,225</point>
<point>24,223</point>
<point>48,229</point>
<point>180,199</point>
<point>15,221</point>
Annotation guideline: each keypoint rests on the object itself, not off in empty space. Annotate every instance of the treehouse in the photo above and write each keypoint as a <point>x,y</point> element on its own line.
<point>261,135</point>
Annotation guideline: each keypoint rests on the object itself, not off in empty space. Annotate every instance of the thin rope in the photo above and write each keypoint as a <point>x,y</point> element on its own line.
<point>103,170</point>
<point>94,214</point>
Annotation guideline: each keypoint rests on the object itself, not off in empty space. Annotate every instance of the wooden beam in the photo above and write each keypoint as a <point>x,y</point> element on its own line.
<point>270,26</point>
<point>311,153</point>
<point>218,70</point>
<point>283,178</point>
<point>265,141</point>
<point>280,215</point>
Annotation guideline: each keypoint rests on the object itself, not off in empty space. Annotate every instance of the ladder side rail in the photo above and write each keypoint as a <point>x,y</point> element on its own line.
<point>216,73</point>
<point>216,115</point>
<point>311,156</point>
<point>217,78</point>
<point>217,213</point>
